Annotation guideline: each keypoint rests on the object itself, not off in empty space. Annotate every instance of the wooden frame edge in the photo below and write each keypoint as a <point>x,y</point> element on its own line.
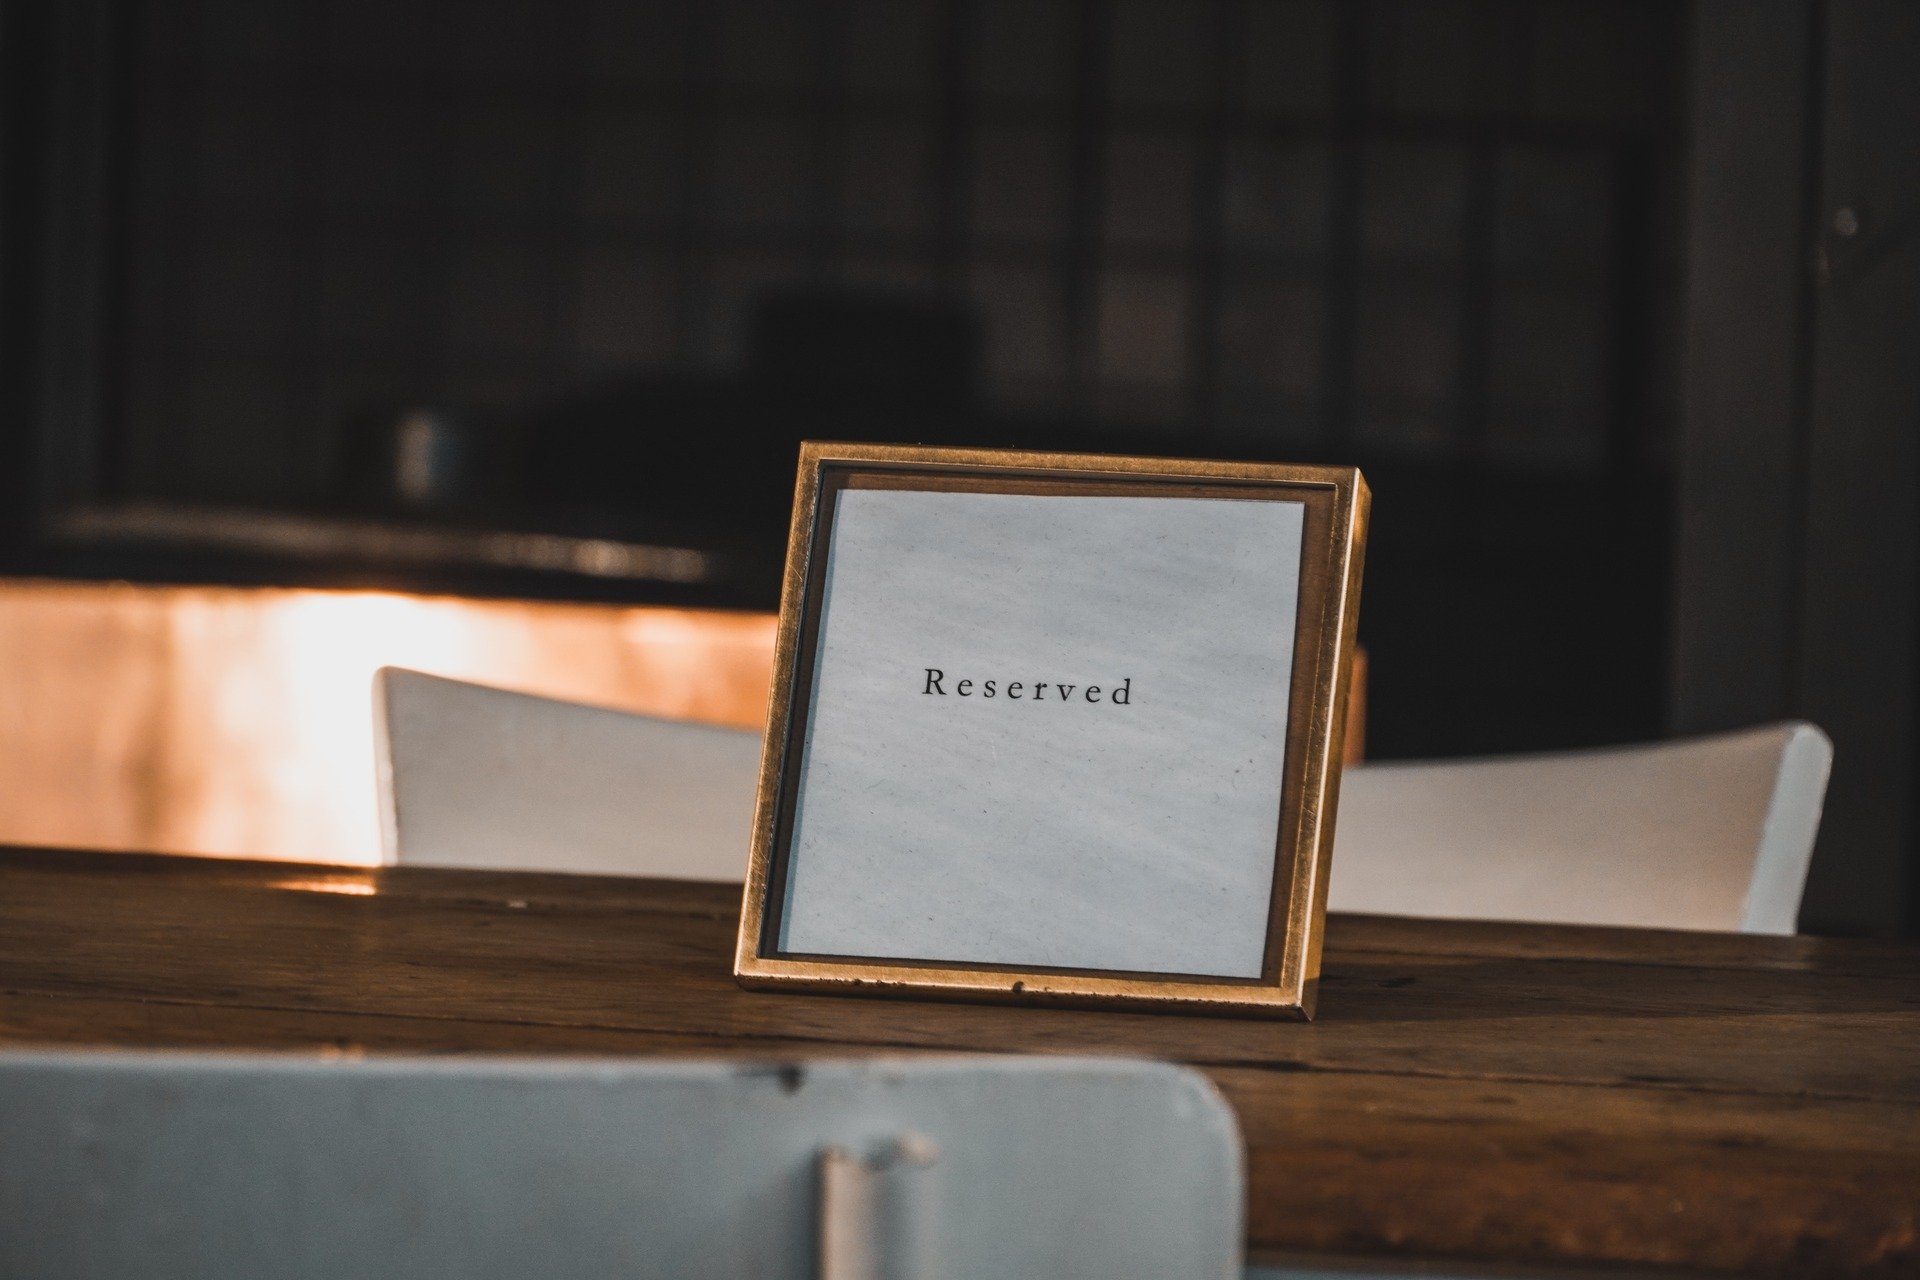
<point>1294,995</point>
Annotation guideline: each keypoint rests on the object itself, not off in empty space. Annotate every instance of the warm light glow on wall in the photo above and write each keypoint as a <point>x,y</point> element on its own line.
<point>240,722</point>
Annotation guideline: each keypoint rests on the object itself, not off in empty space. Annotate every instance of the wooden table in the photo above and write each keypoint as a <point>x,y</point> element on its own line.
<point>1519,1094</point>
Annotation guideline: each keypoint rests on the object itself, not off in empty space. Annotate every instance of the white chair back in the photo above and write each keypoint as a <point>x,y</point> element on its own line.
<point>1707,833</point>
<point>477,777</point>
<point>162,1165</point>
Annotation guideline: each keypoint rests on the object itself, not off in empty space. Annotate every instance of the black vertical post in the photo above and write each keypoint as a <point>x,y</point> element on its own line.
<point>699,34</point>
<point>953,149</point>
<point>1341,285</point>
<point>1226,74</point>
<point>1086,204</point>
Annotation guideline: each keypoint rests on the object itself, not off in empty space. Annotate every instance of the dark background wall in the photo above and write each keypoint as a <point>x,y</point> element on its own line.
<point>1798,560</point>
<point>287,281</point>
<point>633,253</point>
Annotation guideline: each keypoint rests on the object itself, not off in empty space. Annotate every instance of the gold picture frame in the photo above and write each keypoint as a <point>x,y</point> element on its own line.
<point>1335,503</point>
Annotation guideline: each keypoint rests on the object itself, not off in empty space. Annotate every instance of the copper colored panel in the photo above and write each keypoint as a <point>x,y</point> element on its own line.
<point>240,721</point>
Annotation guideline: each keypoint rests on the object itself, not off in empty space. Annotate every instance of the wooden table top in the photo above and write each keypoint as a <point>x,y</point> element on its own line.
<point>1521,1094</point>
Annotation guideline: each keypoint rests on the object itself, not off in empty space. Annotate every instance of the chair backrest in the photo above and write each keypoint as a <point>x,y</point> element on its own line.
<point>1706,833</point>
<point>472,776</point>
<point>160,1166</point>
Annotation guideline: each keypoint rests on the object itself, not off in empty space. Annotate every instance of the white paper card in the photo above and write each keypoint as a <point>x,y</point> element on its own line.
<point>1112,801</point>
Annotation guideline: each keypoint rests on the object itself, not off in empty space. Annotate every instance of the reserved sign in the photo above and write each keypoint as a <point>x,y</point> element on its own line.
<point>1121,694</point>
<point>1055,727</point>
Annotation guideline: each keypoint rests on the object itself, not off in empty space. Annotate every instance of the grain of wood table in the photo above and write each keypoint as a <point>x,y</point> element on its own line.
<point>1529,1095</point>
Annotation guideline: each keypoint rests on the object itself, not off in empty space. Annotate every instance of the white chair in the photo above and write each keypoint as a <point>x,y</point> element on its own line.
<point>477,777</point>
<point>1705,833</point>
<point>175,1165</point>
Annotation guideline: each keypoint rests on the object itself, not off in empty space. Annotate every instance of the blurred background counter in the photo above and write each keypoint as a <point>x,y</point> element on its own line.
<point>239,721</point>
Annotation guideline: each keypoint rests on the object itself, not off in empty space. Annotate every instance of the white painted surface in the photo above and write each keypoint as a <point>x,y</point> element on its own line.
<point>1059,831</point>
<point>163,1165</point>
